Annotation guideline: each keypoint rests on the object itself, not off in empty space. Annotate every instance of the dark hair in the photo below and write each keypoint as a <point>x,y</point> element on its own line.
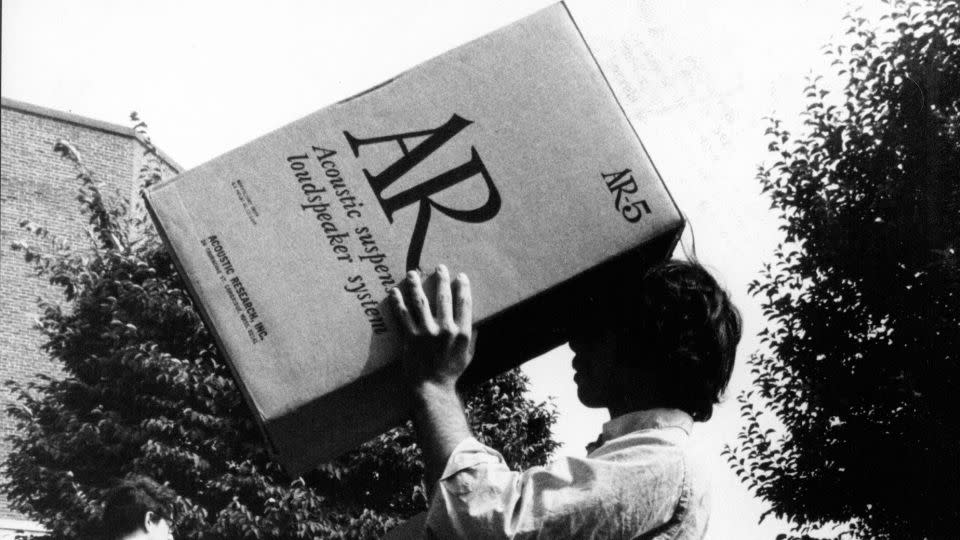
<point>129,501</point>
<point>683,329</point>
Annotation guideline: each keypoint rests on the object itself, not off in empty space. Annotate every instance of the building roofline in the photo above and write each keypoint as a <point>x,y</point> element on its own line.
<point>83,121</point>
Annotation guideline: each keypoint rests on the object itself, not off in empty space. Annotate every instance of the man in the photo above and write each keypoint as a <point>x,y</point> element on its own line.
<point>657,359</point>
<point>138,508</point>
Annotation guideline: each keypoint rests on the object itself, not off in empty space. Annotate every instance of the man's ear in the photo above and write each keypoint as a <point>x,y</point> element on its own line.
<point>150,520</point>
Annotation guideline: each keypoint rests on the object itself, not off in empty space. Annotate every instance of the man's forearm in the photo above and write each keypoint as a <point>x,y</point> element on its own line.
<point>441,425</point>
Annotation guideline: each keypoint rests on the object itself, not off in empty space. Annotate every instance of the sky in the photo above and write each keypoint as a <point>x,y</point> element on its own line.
<point>696,78</point>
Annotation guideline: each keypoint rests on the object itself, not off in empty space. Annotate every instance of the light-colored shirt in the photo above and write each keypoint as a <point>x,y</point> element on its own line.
<point>641,482</point>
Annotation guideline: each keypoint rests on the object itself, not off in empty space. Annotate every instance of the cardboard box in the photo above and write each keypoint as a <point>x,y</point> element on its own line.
<point>509,158</point>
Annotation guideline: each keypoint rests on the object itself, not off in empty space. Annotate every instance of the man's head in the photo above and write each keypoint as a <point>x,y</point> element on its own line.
<point>669,341</point>
<point>138,507</point>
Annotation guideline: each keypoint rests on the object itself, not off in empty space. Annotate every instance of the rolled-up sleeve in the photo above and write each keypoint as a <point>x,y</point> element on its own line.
<point>478,496</point>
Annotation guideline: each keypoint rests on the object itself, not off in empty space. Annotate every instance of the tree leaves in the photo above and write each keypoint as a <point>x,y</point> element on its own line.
<point>860,358</point>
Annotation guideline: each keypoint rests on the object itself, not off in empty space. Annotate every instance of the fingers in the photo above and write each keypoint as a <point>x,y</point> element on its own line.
<point>454,304</point>
<point>463,304</point>
<point>400,308</point>
<point>444,299</point>
<point>418,305</point>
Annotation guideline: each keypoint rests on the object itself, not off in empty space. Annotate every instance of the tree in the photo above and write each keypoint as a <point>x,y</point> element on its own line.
<point>147,391</point>
<point>856,385</point>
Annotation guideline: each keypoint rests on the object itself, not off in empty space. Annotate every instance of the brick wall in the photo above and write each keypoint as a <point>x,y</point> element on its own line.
<point>39,185</point>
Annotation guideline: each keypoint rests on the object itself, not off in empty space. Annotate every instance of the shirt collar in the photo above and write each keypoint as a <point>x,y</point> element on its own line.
<point>646,419</point>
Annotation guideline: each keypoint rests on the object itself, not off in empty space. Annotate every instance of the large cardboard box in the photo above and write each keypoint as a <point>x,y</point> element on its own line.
<point>509,158</point>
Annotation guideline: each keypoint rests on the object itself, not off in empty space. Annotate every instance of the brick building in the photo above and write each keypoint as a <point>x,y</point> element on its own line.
<point>40,185</point>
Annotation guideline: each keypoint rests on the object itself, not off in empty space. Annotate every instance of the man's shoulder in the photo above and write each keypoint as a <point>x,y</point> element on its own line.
<point>650,457</point>
<point>652,443</point>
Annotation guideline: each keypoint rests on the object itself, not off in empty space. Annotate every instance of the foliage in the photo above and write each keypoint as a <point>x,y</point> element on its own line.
<point>147,391</point>
<point>860,366</point>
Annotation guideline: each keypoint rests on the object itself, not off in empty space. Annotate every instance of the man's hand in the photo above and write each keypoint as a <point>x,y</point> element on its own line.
<point>438,348</point>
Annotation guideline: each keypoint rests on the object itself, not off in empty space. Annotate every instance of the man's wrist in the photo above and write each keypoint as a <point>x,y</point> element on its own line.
<point>430,390</point>
<point>440,423</point>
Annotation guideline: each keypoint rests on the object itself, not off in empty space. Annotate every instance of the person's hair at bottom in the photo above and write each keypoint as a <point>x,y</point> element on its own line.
<point>129,501</point>
<point>682,329</point>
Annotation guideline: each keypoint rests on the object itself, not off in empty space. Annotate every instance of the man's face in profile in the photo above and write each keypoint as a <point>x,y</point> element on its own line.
<point>594,359</point>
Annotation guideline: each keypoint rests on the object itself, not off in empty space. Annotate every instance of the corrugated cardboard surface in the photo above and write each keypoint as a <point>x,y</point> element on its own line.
<point>508,158</point>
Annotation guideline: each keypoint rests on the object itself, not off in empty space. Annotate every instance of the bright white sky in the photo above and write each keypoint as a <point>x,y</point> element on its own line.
<point>209,76</point>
